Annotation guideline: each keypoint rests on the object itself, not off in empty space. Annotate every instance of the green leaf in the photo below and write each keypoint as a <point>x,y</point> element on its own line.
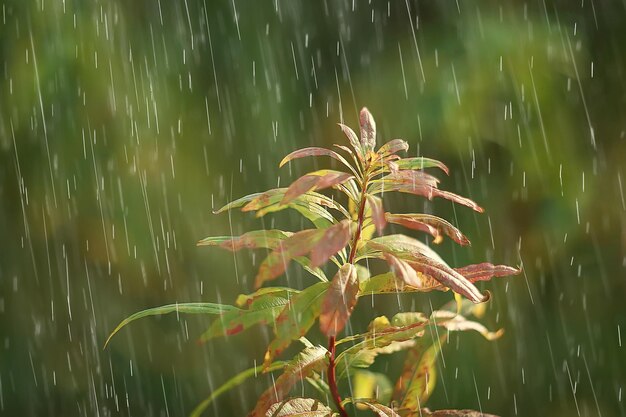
<point>187,308</point>
<point>268,239</point>
<point>232,383</point>
<point>311,359</point>
<point>244,300</point>
<point>340,300</point>
<point>366,384</point>
<point>313,181</point>
<point>296,318</point>
<point>421,163</point>
<point>263,309</point>
<point>315,151</point>
<point>392,147</point>
<point>300,407</point>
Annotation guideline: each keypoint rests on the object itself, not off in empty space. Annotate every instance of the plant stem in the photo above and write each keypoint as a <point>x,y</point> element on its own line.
<point>332,381</point>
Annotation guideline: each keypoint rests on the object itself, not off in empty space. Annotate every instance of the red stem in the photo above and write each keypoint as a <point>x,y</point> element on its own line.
<point>332,381</point>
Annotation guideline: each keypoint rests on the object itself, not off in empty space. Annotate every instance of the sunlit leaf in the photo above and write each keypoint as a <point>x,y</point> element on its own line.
<point>232,383</point>
<point>244,300</point>
<point>366,384</point>
<point>186,308</point>
<point>313,181</point>
<point>339,300</point>
<point>417,380</point>
<point>311,359</point>
<point>457,323</point>
<point>301,407</point>
<point>296,318</point>
<point>379,409</point>
<point>425,412</point>
<point>368,130</point>
<point>320,243</point>
<point>428,223</point>
<point>353,139</point>
<point>378,213</point>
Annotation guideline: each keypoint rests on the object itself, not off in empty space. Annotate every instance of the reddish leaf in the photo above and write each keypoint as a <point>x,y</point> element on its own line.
<point>378,213</point>
<point>393,146</point>
<point>314,181</point>
<point>302,407</point>
<point>405,272</point>
<point>430,224</point>
<point>353,139</point>
<point>339,301</point>
<point>425,412</point>
<point>310,360</point>
<point>314,151</point>
<point>368,129</point>
<point>411,177</point>
<point>335,239</point>
<point>485,271</point>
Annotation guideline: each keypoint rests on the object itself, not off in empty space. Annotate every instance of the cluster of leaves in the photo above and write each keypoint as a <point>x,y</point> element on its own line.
<point>344,235</point>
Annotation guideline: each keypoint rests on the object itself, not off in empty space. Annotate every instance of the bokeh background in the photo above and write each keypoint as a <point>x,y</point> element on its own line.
<point>124,123</point>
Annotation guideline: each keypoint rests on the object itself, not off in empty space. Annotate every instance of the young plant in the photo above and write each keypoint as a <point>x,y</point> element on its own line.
<point>344,236</point>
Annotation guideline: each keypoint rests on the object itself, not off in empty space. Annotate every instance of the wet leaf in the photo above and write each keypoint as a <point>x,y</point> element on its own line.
<point>317,180</point>
<point>368,130</point>
<point>378,213</point>
<point>457,323</point>
<point>232,383</point>
<point>315,151</point>
<point>339,301</point>
<point>425,412</point>
<point>428,223</point>
<point>311,359</point>
<point>301,407</point>
<point>335,238</point>
<point>419,375</point>
<point>244,300</point>
<point>296,318</point>
<point>186,308</point>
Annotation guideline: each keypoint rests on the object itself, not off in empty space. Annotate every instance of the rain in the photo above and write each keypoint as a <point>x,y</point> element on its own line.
<point>125,124</point>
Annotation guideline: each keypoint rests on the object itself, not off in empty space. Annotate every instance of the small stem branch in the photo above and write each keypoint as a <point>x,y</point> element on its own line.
<point>332,380</point>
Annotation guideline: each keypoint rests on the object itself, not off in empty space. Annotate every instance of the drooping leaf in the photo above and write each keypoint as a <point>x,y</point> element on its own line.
<point>315,151</point>
<point>368,130</point>
<point>393,146</point>
<point>457,323</point>
<point>485,271</point>
<point>353,139</point>
<point>269,239</point>
<point>428,223</point>
<point>421,185</point>
<point>296,318</point>
<point>263,309</point>
<point>311,359</point>
<point>320,243</point>
<point>300,407</point>
<point>406,273</point>
<point>339,300</point>
<point>419,376</point>
<point>186,308</point>
<point>378,213</point>
<point>421,163</point>
<point>232,383</point>
<point>313,181</point>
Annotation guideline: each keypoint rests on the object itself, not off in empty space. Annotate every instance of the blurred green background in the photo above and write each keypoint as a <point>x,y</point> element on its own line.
<point>124,123</point>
